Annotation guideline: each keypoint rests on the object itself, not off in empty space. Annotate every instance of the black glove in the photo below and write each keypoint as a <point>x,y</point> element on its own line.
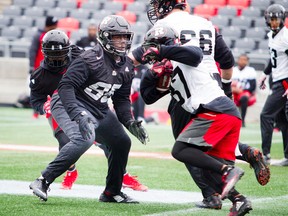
<point>152,55</point>
<point>86,125</point>
<point>138,131</point>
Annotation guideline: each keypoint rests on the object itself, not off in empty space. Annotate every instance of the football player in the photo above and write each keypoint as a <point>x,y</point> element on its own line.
<point>44,82</point>
<point>80,108</point>
<point>275,16</point>
<point>199,32</point>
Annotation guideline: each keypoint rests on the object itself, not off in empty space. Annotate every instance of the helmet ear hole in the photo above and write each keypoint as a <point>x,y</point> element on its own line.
<point>56,48</point>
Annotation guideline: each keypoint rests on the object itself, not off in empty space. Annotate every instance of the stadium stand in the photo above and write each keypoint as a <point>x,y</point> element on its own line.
<point>234,19</point>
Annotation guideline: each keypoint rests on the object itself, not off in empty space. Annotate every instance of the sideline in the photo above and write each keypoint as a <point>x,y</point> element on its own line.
<point>98,151</point>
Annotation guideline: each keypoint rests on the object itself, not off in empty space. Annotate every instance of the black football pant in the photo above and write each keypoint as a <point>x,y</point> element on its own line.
<point>271,112</point>
<point>108,130</point>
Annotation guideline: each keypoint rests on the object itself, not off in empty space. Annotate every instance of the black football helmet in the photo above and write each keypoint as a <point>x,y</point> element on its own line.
<point>158,9</point>
<point>160,35</point>
<point>114,25</point>
<point>275,11</point>
<point>56,48</point>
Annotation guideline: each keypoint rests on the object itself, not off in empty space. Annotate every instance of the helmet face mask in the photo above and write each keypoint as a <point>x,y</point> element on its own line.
<point>56,48</point>
<point>158,9</point>
<point>275,17</point>
<point>114,35</point>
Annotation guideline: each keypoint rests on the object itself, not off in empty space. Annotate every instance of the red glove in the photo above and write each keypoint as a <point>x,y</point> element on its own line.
<point>164,70</point>
<point>163,67</point>
<point>47,107</point>
<point>151,55</point>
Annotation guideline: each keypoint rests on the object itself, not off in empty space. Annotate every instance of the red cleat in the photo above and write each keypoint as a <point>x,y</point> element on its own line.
<point>132,182</point>
<point>69,179</point>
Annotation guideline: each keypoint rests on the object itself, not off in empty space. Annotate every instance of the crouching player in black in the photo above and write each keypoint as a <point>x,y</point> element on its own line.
<point>58,55</point>
<point>80,108</point>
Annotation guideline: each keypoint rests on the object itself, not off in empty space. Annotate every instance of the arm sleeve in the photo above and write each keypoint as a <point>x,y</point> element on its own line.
<point>148,89</point>
<point>268,68</point>
<point>223,54</point>
<point>189,55</point>
<point>122,103</point>
<point>37,100</point>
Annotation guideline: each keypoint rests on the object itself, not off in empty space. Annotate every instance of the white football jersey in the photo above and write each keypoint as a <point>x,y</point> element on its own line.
<point>192,86</point>
<point>279,59</point>
<point>244,77</point>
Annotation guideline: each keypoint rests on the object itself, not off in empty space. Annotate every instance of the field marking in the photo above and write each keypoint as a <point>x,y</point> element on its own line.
<point>191,210</point>
<point>93,151</point>
<point>97,151</point>
<point>93,192</point>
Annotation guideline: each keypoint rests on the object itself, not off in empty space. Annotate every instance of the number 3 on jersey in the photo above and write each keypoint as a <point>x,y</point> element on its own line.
<point>205,39</point>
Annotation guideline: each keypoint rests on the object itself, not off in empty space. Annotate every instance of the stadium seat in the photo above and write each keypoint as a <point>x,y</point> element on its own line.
<point>23,3</point>
<point>244,45</point>
<point>228,11</point>
<point>76,35</point>
<point>80,14</point>
<point>28,33</point>
<point>67,4</point>
<point>137,7</point>
<point>217,3</point>
<point>57,12</point>
<point>259,59</point>
<point>80,2</point>
<point>68,24</point>
<point>129,16</point>
<point>113,6</point>
<point>99,15</point>
<point>23,22</point>
<point>39,22</point>
<point>206,11</point>
<point>34,12</point>
<point>91,5</point>
<point>4,47</point>
<point>263,44</point>
<point>12,10</point>
<point>232,32</point>
<point>5,20</point>
<point>251,12</point>
<point>220,21</point>
<point>84,24</point>
<point>240,4</point>
<point>241,21</point>
<point>284,3</point>
<point>46,4</point>
<point>261,4</point>
<point>20,48</point>
<point>256,33</point>
<point>139,27</point>
<point>259,22</point>
<point>11,32</point>
<point>194,3</point>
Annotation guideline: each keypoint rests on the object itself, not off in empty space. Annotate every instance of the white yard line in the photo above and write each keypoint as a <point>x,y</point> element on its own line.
<point>93,192</point>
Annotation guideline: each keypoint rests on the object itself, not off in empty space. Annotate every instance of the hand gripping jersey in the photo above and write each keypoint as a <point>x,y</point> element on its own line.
<point>279,59</point>
<point>193,86</point>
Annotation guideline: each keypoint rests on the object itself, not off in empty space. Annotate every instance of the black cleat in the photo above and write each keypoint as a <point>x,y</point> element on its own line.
<point>230,178</point>
<point>255,159</point>
<point>40,188</point>
<point>120,198</point>
<point>211,202</point>
<point>240,207</point>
